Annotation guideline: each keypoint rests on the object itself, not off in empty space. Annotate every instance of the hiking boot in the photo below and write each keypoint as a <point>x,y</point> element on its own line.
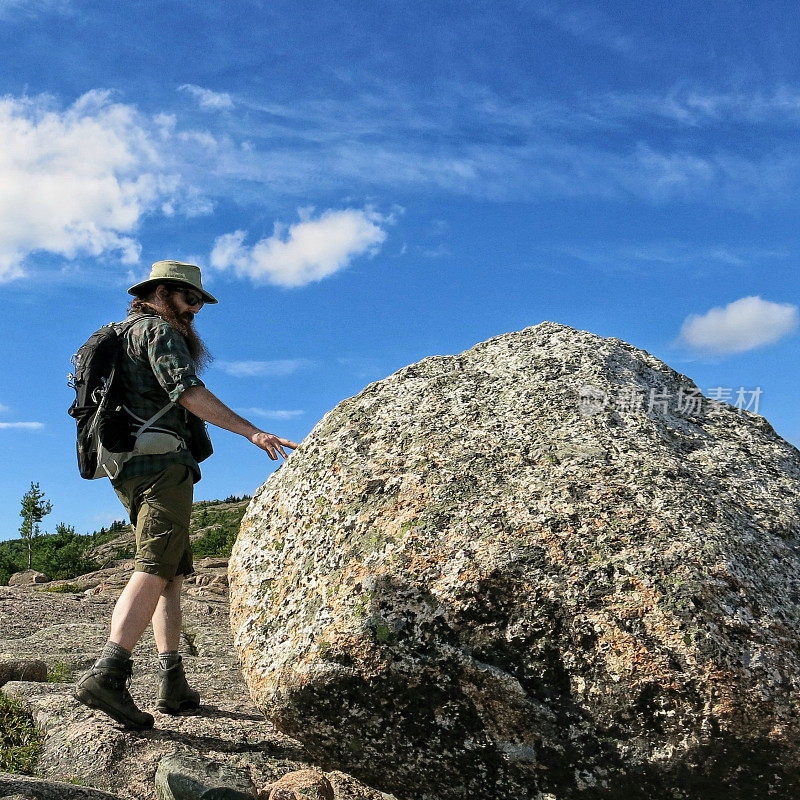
<point>105,687</point>
<point>174,694</point>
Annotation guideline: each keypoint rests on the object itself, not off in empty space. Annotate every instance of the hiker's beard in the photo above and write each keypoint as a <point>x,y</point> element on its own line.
<point>184,324</point>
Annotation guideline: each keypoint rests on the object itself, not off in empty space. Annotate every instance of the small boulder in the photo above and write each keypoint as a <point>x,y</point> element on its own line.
<point>305,784</point>
<point>182,777</point>
<point>25,669</point>
<point>27,578</point>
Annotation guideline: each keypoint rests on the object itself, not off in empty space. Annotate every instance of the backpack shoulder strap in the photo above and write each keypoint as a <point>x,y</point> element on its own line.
<point>122,328</point>
<point>126,324</point>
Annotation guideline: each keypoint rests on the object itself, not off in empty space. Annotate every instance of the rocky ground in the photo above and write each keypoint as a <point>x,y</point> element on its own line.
<point>67,630</point>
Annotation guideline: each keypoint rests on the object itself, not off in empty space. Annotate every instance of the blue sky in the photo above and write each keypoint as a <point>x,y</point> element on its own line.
<point>366,184</point>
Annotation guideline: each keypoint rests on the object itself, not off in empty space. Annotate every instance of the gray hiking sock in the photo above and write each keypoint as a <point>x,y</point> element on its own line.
<point>115,652</point>
<point>168,659</point>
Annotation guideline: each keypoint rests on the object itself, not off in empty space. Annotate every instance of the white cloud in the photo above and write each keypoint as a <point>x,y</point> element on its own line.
<point>26,426</point>
<point>258,369</point>
<point>76,181</point>
<point>207,99</point>
<point>743,325</point>
<point>79,181</point>
<point>309,250</point>
<point>3,408</point>
<point>272,413</point>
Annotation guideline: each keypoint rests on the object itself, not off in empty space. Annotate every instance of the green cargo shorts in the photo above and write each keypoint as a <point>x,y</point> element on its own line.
<point>160,505</point>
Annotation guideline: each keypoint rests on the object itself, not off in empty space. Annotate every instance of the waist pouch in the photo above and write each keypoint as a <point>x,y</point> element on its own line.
<point>153,443</point>
<point>148,443</point>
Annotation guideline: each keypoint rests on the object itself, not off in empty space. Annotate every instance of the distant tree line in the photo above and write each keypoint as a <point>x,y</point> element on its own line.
<point>59,555</point>
<point>67,554</point>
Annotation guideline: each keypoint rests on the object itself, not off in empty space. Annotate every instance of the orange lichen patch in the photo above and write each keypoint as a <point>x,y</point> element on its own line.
<point>554,543</point>
<point>626,656</point>
<point>624,652</point>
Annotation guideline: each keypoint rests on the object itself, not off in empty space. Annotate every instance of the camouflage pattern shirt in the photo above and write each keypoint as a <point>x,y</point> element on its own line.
<point>155,368</point>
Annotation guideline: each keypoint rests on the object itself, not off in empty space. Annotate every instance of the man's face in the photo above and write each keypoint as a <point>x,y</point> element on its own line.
<point>185,303</point>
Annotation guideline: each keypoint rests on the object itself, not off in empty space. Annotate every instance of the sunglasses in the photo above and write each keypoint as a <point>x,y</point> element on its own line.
<point>191,298</point>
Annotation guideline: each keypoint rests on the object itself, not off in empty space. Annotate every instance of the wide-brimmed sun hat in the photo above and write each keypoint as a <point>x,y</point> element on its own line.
<point>173,272</point>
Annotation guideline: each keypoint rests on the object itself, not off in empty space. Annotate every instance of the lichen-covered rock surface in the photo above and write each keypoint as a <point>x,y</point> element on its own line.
<point>544,567</point>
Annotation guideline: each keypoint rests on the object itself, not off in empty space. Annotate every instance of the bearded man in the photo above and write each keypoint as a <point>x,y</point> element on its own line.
<point>162,356</point>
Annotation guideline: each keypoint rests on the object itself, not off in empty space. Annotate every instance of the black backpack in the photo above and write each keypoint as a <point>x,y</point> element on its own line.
<point>97,409</point>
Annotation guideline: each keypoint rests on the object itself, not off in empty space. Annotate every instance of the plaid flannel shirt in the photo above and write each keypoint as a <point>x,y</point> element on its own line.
<point>155,368</point>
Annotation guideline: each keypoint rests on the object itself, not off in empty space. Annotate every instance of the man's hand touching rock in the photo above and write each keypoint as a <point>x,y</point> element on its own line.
<point>270,442</point>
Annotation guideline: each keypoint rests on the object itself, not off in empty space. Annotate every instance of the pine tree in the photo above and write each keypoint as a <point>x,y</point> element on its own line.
<point>34,508</point>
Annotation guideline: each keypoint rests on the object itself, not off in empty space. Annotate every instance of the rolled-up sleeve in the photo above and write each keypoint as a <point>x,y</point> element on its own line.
<point>170,360</point>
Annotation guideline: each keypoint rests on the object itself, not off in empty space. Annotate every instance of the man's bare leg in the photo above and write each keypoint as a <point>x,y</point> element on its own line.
<point>174,694</point>
<point>135,608</point>
<point>105,685</point>
<point>167,617</point>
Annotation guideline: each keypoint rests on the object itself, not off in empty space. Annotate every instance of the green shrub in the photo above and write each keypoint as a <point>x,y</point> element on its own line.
<point>215,542</point>
<point>65,588</point>
<point>20,742</point>
<point>59,672</point>
<point>219,526</point>
<point>63,554</point>
<point>8,566</point>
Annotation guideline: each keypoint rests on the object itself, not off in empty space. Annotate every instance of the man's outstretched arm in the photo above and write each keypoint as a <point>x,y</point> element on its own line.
<point>206,405</point>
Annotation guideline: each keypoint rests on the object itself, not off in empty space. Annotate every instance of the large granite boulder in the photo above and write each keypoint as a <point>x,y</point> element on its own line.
<point>544,567</point>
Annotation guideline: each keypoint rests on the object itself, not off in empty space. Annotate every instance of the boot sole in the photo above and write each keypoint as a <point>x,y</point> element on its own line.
<point>92,701</point>
<point>165,707</point>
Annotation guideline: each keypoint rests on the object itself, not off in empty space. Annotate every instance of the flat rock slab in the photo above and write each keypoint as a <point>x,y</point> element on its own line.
<point>22,787</point>
<point>67,631</point>
<point>24,669</point>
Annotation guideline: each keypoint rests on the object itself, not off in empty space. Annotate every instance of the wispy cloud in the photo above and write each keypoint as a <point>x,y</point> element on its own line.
<point>466,139</point>
<point>698,107</point>
<point>745,324</point>
<point>208,99</point>
<point>586,23</point>
<point>78,181</point>
<point>674,255</point>
<point>309,250</point>
<point>259,369</point>
<point>25,426</point>
<point>267,413</point>
<point>28,8</point>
